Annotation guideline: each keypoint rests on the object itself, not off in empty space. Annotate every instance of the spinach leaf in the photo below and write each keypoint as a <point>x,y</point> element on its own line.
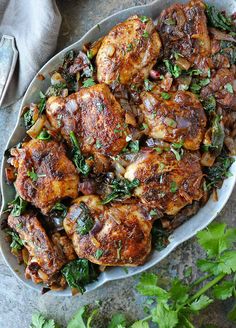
<point>79,273</point>
<point>121,188</point>
<point>78,158</point>
<point>228,49</point>
<point>16,242</point>
<point>218,19</point>
<point>18,206</point>
<point>219,171</point>
<point>218,135</point>
<point>85,221</point>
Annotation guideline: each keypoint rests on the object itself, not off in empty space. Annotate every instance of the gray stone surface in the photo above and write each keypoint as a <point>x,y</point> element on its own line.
<point>17,303</point>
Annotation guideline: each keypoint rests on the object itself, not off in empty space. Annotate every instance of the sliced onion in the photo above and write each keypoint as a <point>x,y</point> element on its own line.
<point>208,159</point>
<point>219,35</point>
<point>34,131</point>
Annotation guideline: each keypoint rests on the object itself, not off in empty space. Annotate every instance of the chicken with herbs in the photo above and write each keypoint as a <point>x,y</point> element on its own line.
<point>166,183</point>
<point>128,52</point>
<point>45,257</point>
<point>45,175</point>
<point>109,236</point>
<point>94,115</point>
<point>174,117</point>
<point>130,140</point>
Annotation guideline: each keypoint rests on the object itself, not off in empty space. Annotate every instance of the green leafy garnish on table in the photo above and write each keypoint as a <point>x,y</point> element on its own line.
<point>121,188</point>
<point>77,156</point>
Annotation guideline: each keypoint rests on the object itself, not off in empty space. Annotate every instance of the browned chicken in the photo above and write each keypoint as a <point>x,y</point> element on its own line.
<point>166,183</point>
<point>178,119</point>
<point>44,174</point>
<point>45,258</point>
<point>183,31</point>
<point>128,52</point>
<point>94,115</point>
<point>117,235</point>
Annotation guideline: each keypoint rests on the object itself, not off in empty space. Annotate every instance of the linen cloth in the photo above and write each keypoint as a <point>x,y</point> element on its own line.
<point>35,24</point>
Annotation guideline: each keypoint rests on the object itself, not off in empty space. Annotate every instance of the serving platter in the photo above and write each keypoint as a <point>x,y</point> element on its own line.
<point>187,230</point>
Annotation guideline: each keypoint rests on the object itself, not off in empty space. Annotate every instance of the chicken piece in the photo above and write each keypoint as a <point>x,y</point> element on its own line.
<point>180,118</point>
<point>128,52</point>
<point>94,115</point>
<point>45,258</point>
<point>183,30</point>
<point>166,183</point>
<point>64,243</point>
<point>118,235</point>
<point>221,87</point>
<point>45,174</point>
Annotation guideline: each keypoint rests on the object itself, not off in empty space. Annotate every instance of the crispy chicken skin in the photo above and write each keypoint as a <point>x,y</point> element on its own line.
<point>44,174</point>
<point>45,258</point>
<point>183,30</point>
<point>167,184</point>
<point>94,115</point>
<point>181,118</point>
<point>128,52</point>
<point>121,232</point>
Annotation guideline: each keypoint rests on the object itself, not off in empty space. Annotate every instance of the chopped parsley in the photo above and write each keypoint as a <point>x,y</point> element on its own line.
<point>174,70</point>
<point>129,47</point>
<point>99,144</point>
<point>145,34</point>
<point>88,82</point>
<point>144,19</point>
<point>18,206</point>
<point>98,254</point>
<point>134,146</point>
<point>148,85</point>
<point>173,187</point>
<point>165,95</point>
<point>34,176</point>
<point>229,88</point>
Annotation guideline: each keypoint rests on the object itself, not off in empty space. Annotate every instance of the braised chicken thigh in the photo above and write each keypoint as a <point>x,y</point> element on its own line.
<point>94,115</point>
<point>166,183</point>
<point>110,236</point>
<point>183,31</point>
<point>128,52</point>
<point>44,174</point>
<point>45,258</point>
<point>180,118</point>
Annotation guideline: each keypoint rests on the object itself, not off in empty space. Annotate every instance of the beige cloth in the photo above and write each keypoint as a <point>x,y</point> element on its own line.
<point>35,25</point>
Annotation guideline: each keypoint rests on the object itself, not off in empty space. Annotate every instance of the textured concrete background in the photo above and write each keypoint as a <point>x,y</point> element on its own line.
<point>17,303</point>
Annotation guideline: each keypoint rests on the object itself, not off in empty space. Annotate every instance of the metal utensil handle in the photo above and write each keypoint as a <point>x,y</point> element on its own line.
<point>8,59</point>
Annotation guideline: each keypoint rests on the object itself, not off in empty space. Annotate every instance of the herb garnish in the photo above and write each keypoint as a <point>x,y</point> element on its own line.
<point>144,19</point>
<point>60,208</point>
<point>229,88</point>
<point>88,82</point>
<point>121,188</point>
<point>218,19</point>
<point>209,104</point>
<point>28,119</point>
<point>145,34</point>
<point>134,146</point>
<point>79,273</point>
<point>18,206</point>
<point>173,187</point>
<point>85,221</point>
<point>174,70</point>
<point>78,158</point>
<point>148,85</point>
<point>129,47</point>
<point>176,148</point>
<point>165,95</point>
<point>98,254</point>
<point>44,135</point>
<point>34,176</point>
<point>42,104</point>
<point>16,242</point>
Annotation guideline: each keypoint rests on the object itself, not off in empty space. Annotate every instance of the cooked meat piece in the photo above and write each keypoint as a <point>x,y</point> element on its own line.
<point>221,87</point>
<point>64,243</point>
<point>128,52</point>
<point>183,30</point>
<point>45,258</point>
<point>166,183</point>
<point>45,174</point>
<point>94,115</point>
<point>180,118</point>
<point>119,235</point>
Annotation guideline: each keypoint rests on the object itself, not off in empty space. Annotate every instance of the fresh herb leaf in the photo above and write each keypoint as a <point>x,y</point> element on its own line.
<point>88,82</point>
<point>148,85</point>
<point>56,89</point>
<point>42,104</point>
<point>34,176</point>
<point>134,146</point>
<point>174,70</point>
<point>85,221</point>
<point>218,19</point>
<point>209,104</point>
<point>98,254</point>
<point>145,34</point>
<point>79,273</point>
<point>224,290</point>
<point>116,320</point>
<point>78,158</point>
<point>229,87</point>
<point>121,188</point>
<point>147,286</point>
<point>129,47</point>
<point>99,144</point>
<point>79,319</point>
<point>16,242</point>
<point>201,303</point>
<point>28,119</point>
<point>165,95</point>
<point>44,135</point>
<point>39,321</point>
<point>173,187</point>
<point>18,205</point>
<point>164,316</point>
<point>144,19</point>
